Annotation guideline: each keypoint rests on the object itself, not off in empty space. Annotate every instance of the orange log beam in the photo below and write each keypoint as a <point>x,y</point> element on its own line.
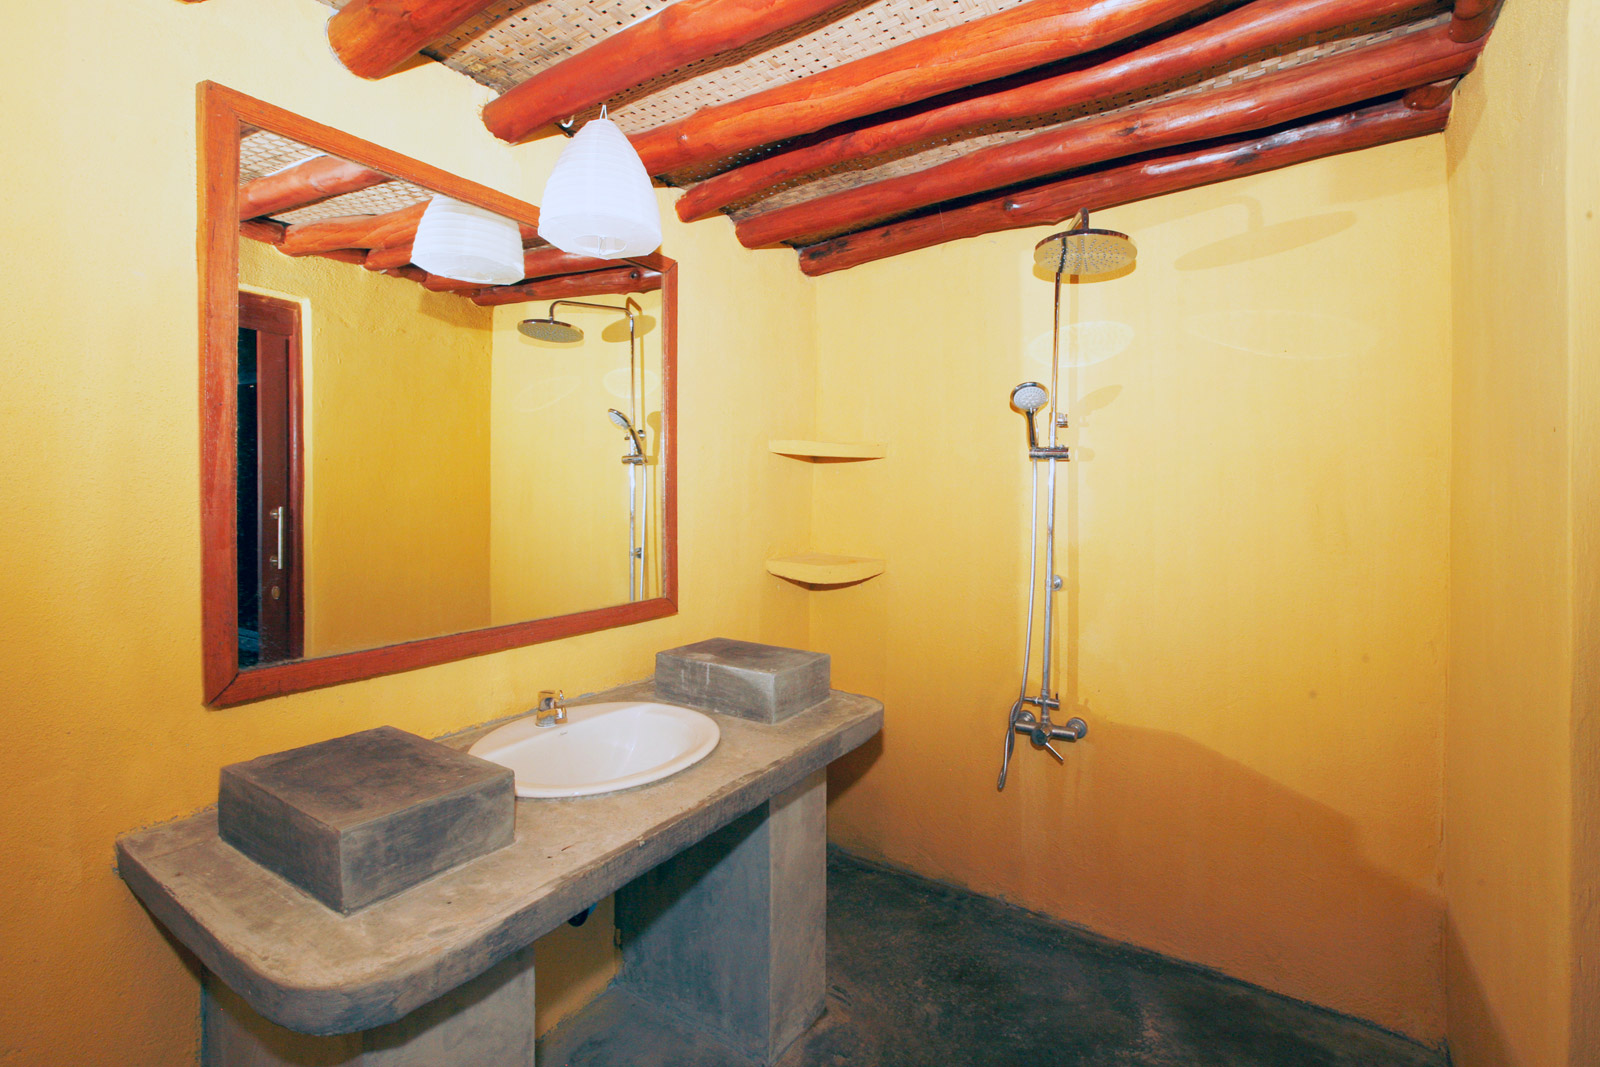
<point>1243,31</point>
<point>1427,97</point>
<point>356,231</point>
<point>1040,31</point>
<point>264,230</point>
<point>394,230</point>
<point>389,257</point>
<point>1170,172</point>
<point>373,38</point>
<point>618,280</point>
<point>1473,19</point>
<point>315,179</point>
<point>1323,85</point>
<point>683,33</point>
<point>547,262</point>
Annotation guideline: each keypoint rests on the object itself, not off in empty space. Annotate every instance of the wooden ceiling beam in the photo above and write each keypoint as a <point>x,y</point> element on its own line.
<point>1339,81</point>
<point>354,231</point>
<point>683,33</point>
<point>1473,19</point>
<point>547,262</point>
<point>1428,97</point>
<point>373,38</point>
<point>1240,32</point>
<point>318,178</point>
<point>1030,34</point>
<point>617,280</point>
<point>264,230</point>
<point>393,231</point>
<point>1157,175</point>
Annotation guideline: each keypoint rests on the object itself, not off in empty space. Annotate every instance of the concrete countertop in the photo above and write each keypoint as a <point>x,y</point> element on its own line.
<point>311,969</point>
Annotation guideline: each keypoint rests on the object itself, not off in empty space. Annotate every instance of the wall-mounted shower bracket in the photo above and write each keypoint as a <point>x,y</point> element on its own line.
<point>1061,452</point>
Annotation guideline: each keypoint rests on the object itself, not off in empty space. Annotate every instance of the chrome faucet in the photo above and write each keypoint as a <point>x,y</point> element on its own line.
<point>552,709</point>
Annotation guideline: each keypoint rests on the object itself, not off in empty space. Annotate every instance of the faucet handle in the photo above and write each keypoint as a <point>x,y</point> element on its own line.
<point>551,698</point>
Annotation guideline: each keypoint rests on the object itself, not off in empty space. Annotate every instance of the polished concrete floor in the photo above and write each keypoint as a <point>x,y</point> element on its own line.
<point>921,974</point>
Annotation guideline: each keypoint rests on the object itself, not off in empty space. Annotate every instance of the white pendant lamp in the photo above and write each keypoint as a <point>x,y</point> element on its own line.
<point>598,201</point>
<point>465,242</point>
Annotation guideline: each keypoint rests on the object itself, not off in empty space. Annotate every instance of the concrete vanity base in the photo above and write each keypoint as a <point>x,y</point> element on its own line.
<point>486,1022</point>
<point>729,934</point>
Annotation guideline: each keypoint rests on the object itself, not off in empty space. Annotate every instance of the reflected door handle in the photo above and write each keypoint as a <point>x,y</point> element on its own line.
<point>278,558</point>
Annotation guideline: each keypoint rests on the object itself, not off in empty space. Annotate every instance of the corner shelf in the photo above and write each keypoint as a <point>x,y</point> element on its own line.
<point>829,449</point>
<point>820,568</point>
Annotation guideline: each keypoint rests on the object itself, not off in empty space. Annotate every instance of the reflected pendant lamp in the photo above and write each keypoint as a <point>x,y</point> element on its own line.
<point>598,201</point>
<point>467,243</point>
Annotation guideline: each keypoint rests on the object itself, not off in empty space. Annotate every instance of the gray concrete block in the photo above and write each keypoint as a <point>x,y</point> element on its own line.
<point>486,1022</point>
<point>358,818</point>
<point>730,934</point>
<point>763,683</point>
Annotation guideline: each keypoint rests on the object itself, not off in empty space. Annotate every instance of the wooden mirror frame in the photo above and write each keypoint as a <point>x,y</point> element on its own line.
<point>223,112</point>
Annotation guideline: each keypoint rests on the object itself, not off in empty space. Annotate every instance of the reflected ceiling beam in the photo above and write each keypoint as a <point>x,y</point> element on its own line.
<point>683,33</point>
<point>354,231</point>
<point>1338,81</point>
<point>317,179</point>
<point>618,280</point>
<point>547,262</point>
<point>541,262</point>
<point>392,230</point>
<point>373,38</point>
<point>1169,172</point>
<point>1473,19</point>
<point>1040,31</point>
<point>1264,24</point>
<point>263,230</point>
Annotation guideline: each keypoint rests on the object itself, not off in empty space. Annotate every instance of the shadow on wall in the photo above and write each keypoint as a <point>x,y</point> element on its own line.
<point>1475,1038</point>
<point>1177,848</point>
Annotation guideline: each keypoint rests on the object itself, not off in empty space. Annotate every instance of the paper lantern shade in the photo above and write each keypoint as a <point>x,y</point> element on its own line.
<point>598,201</point>
<point>467,243</point>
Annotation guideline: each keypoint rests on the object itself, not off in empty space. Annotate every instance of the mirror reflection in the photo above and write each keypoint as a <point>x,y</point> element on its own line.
<point>421,455</point>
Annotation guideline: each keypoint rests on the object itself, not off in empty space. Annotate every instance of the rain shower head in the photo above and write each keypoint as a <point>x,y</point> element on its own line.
<point>621,422</point>
<point>550,329</point>
<point>1084,252</point>
<point>1028,398</point>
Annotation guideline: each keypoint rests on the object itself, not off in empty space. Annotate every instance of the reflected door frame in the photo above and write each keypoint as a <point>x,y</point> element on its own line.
<point>280,475</point>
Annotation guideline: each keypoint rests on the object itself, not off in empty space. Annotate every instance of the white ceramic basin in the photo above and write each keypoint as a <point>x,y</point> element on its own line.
<point>601,748</point>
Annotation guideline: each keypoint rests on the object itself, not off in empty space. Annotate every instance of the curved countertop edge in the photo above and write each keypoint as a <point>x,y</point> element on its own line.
<point>313,970</point>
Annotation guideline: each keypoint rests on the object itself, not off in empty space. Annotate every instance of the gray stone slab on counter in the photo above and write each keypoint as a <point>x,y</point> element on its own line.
<point>312,970</point>
<point>358,818</point>
<point>763,683</point>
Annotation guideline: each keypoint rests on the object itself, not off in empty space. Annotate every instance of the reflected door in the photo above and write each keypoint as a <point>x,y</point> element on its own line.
<point>269,482</point>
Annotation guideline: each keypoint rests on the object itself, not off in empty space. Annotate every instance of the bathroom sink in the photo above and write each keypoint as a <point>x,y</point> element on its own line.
<point>600,748</point>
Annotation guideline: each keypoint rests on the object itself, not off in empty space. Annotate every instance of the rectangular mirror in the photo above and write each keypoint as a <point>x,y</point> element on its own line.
<point>403,468</point>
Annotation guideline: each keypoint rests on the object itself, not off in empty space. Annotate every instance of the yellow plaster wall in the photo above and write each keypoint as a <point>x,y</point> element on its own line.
<point>559,491</point>
<point>1256,549</point>
<point>1522,783</point>
<point>396,383</point>
<point>100,488</point>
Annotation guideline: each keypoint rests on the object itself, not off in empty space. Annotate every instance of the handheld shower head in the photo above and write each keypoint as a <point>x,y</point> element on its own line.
<point>618,419</point>
<point>1028,398</point>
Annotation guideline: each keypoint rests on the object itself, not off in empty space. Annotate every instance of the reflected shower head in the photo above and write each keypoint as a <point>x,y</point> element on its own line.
<point>1029,397</point>
<point>550,329</point>
<point>635,446</point>
<point>1083,252</point>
